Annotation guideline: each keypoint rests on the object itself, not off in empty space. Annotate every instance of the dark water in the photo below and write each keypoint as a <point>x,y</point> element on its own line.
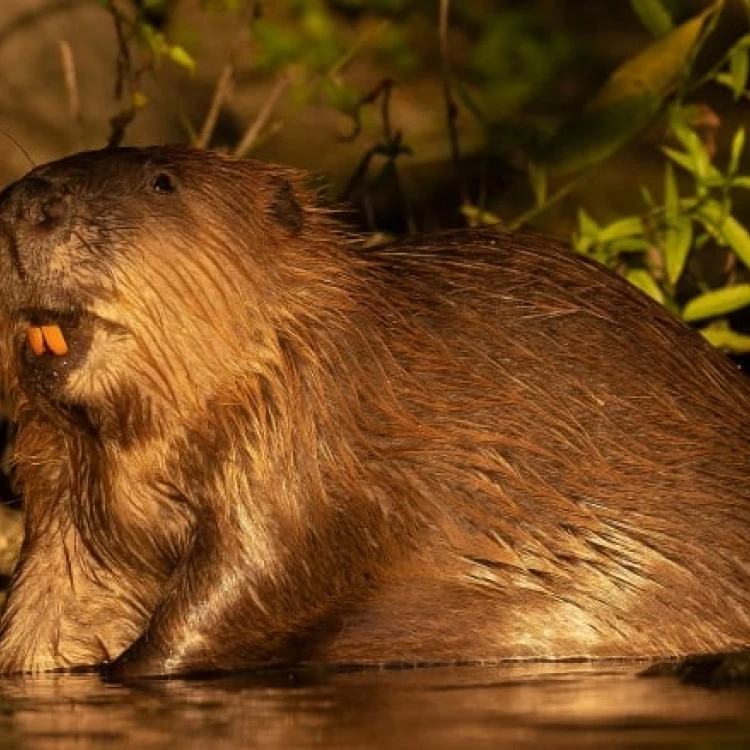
<point>519,706</point>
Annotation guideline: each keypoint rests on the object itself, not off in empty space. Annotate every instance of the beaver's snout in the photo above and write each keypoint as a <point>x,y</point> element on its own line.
<point>34,203</point>
<point>40,204</point>
<point>33,211</point>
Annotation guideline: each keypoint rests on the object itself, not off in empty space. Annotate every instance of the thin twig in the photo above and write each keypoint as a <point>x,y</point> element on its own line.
<point>124,60</point>
<point>381,91</point>
<point>392,147</point>
<point>354,50</point>
<point>221,93</point>
<point>225,82</point>
<point>261,119</point>
<point>555,198</point>
<point>315,88</point>
<point>450,105</point>
<point>126,80</point>
<point>71,86</point>
<point>685,88</point>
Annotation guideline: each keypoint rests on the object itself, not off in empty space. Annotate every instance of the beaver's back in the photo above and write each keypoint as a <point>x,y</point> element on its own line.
<point>591,455</point>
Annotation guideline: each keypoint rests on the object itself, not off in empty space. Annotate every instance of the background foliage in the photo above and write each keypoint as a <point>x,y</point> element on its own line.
<point>528,117</point>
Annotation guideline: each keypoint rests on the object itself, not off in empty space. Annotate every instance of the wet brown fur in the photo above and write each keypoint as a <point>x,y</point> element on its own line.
<point>270,445</point>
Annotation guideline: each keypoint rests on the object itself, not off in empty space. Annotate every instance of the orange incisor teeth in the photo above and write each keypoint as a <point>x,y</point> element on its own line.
<point>43,338</point>
<point>36,340</point>
<point>53,337</point>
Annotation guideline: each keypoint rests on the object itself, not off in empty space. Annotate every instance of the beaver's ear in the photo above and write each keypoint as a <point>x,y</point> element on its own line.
<point>284,206</point>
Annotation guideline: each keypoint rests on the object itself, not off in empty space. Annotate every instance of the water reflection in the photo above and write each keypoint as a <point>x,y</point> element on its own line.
<point>518,706</point>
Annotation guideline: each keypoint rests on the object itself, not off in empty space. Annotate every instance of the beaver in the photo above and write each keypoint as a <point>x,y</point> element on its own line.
<point>246,440</point>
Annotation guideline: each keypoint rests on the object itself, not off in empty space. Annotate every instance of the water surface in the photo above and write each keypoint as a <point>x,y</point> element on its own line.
<point>512,706</point>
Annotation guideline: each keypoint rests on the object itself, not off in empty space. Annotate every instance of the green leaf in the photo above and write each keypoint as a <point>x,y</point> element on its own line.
<point>724,338</point>
<point>538,179</point>
<point>629,245</point>
<point>696,163</point>
<point>579,244</point>
<point>179,56</point>
<point>688,138</point>
<point>589,228</point>
<point>741,182</point>
<point>654,16</point>
<point>705,173</point>
<point>656,69</point>
<point>152,39</point>
<point>738,144</point>
<point>739,66</point>
<point>717,302</point>
<point>627,102</point>
<point>588,232</point>
<point>671,193</point>
<point>677,242</point>
<point>476,216</point>
<point>595,134</point>
<point>642,279</point>
<point>679,157</point>
<point>701,240</point>
<point>725,79</point>
<point>714,217</point>
<point>627,227</point>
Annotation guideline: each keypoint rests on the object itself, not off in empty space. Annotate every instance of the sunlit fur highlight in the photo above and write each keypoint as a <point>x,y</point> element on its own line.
<point>466,447</point>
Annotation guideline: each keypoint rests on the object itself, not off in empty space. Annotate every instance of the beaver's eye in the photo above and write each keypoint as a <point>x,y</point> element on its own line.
<point>163,183</point>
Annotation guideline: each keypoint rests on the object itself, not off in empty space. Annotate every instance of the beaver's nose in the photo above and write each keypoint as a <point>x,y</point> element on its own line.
<point>31,210</point>
<point>34,203</point>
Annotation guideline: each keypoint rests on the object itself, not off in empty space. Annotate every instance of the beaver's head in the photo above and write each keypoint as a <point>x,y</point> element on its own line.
<point>163,271</point>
